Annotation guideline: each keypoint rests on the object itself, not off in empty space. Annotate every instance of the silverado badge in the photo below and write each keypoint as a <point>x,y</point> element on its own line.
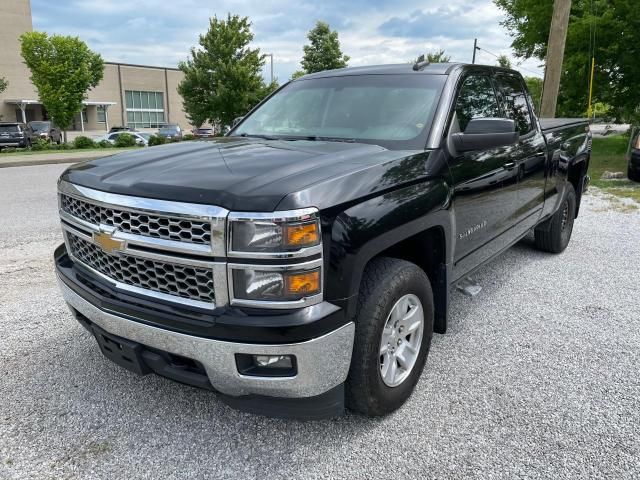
<point>106,242</point>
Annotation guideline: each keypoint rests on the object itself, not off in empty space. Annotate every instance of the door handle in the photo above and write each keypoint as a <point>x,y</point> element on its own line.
<point>540,154</point>
<point>509,166</point>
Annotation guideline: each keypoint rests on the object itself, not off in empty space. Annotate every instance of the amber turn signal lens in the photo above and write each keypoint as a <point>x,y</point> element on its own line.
<point>303,284</point>
<point>302,235</point>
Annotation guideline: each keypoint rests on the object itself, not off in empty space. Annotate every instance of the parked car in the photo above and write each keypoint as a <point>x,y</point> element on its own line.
<point>121,129</point>
<point>633,168</point>
<point>170,131</point>
<point>304,261</point>
<point>203,132</point>
<point>12,135</point>
<point>141,138</point>
<point>43,130</point>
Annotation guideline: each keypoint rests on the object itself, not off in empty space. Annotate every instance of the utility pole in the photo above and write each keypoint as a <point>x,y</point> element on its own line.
<point>475,47</point>
<point>555,56</point>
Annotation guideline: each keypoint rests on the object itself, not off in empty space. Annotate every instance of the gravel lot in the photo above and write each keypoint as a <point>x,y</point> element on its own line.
<point>537,378</point>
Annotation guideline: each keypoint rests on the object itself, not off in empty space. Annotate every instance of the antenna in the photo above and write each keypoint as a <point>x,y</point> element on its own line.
<point>420,63</point>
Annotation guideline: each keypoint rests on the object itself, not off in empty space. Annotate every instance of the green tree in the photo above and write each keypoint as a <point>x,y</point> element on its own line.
<point>323,52</point>
<point>63,69</point>
<point>617,66</point>
<point>503,61</point>
<point>534,84</point>
<point>437,56</point>
<point>223,78</point>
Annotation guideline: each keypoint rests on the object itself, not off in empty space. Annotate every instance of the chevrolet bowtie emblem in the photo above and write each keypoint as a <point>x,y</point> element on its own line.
<point>106,242</point>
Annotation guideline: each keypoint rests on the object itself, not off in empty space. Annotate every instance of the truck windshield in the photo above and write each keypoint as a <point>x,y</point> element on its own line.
<point>394,111</point>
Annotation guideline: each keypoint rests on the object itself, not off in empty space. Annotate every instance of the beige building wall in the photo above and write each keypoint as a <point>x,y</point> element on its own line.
<point>15,19</point>
<point>177,115</point>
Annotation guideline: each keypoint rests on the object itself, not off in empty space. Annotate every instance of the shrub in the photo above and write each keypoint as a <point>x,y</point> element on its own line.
<point>8,149</point>
<point>157,140</point>
<point>104,144</point>
<point>125,140</point>
<point>188,136</point>
<point>83,142</point>
<point>40,145</point>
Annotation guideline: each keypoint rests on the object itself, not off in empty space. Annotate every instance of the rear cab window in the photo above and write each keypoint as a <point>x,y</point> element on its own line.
<point>514,102</point>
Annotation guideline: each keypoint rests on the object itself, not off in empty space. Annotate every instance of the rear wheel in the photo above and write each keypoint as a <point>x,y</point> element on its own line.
<point>633,176</point>
<point>555,235</point>
<point>394,327</point>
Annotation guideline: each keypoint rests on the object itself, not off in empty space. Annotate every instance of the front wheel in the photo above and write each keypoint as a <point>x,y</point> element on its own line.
<point>554,236</point>
<point>394,327</point>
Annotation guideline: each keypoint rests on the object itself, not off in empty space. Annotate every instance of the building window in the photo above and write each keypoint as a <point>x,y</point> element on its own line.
<point>102,114</point>
<point>144,109</point>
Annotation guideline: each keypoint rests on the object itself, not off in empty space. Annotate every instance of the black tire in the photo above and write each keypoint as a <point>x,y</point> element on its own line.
<point>633,176</point>
<point>384,282</point>
<point>554,236</point>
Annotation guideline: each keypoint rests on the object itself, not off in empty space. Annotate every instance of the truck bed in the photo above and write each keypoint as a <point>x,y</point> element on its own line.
<point>548,124</point>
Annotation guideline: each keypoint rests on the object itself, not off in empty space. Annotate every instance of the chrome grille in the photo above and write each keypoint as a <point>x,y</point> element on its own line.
<point>137,223</point>
<point>195,283</point>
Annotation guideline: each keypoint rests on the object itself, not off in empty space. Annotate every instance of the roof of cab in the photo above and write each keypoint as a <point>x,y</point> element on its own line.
<point>391,69</point>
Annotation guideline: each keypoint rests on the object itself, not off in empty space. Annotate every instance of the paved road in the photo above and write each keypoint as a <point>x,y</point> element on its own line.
<point>537,378</point>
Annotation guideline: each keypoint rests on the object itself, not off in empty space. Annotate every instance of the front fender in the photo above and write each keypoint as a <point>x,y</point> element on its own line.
<point>365,230</point>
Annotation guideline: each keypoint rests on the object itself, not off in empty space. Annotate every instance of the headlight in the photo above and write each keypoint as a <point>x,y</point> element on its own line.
<point>275,286</point>
<point>273,233</point>
<point>274,238</point>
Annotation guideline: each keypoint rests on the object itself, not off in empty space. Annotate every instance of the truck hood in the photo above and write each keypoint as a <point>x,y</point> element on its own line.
<point>245,174</point>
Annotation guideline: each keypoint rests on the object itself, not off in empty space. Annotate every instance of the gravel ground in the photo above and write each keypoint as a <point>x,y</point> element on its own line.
<point>537,378</point>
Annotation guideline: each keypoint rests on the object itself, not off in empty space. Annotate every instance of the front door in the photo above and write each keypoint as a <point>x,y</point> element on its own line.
<point>485,182</point>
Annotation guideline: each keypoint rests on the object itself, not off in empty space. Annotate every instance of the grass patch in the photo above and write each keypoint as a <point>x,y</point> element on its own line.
<point>609,154</point>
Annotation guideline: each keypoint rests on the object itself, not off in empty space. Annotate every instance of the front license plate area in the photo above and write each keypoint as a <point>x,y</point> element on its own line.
<point>123,352</point>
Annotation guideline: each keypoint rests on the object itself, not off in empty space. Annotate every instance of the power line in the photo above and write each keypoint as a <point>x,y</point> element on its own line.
<point>517,65</point>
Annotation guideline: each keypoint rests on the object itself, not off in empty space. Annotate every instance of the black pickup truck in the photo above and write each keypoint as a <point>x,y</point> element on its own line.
<point>302,263</point>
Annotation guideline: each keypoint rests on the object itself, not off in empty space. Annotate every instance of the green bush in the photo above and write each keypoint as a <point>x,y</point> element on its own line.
<point>83,142</point>
<point>125,140</point>
<point>8,150</point>
<point>104,144</point>
<point>40,145</point>
<point>188,136</point>
<point>157,140</point>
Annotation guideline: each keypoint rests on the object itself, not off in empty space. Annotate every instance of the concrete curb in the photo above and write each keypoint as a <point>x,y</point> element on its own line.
<point>26,161</point>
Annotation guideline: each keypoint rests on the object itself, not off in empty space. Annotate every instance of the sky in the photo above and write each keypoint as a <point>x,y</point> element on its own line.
<point>152,32</point>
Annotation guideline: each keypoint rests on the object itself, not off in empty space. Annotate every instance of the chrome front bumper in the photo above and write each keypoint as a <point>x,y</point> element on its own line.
<point>323,362</point>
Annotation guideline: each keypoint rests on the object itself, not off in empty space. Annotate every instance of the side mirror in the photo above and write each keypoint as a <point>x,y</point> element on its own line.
<point>485,133</point>
<point>236,121</point>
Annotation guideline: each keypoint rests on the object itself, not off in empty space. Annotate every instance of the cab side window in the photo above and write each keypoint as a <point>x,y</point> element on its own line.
<point>514,102</point>
<point>477,99</point>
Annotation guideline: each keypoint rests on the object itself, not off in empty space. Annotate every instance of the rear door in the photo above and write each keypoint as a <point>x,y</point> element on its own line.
<point>530,157</point>
<point>485,186</point>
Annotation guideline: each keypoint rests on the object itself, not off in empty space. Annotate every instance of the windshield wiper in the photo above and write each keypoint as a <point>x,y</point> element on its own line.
<point>257,135</point>
<point>319,138</point>
<point>313,138</point>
